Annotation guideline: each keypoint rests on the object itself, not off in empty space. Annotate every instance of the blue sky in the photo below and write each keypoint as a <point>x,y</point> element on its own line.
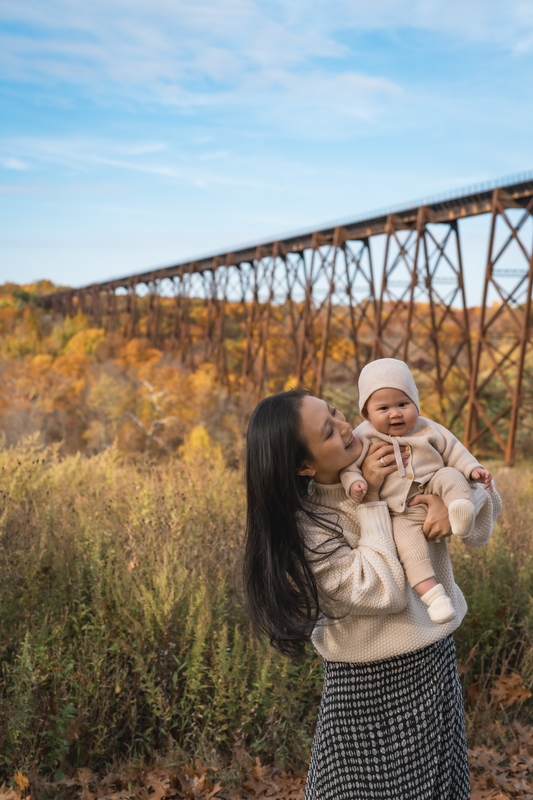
<point>136,134</point>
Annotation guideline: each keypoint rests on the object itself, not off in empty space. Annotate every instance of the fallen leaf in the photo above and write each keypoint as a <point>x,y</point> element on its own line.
<point>86,776</point>
<point>21,781</point>
<point>509,690</point>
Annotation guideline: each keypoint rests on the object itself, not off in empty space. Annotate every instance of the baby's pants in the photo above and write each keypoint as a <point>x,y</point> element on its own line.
<point>447,483</point>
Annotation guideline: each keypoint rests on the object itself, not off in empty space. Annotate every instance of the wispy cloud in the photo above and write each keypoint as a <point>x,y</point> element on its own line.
<point>226,54</point>
<point>214,156</point>
<point>14,164</point>
<point>504,24</point>
<point>157,41</point>
<point>17,190</point>
<point>87,156</point>
<point>292,65</point>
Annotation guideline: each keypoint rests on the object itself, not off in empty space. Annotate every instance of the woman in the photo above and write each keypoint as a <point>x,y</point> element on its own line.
<point>391,723</point>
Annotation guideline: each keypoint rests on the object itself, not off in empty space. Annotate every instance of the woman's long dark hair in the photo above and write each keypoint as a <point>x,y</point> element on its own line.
<point>280,588</point>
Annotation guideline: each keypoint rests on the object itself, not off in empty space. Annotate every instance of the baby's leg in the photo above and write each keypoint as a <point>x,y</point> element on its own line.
<point>412,546</point>
<point>454,489</point>
<point>413,552</point>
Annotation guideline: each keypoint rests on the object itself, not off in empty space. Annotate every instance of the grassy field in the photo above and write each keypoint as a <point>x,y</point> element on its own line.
<point>122,632</point>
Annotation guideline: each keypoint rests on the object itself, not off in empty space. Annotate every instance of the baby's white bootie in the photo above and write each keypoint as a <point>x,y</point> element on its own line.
<point>461,514</point>
<point>440,608</point>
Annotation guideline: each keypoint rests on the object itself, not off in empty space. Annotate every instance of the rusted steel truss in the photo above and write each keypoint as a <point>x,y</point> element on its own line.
<point>504,329</point>
<point>312,309</point>
<point>422,313</point>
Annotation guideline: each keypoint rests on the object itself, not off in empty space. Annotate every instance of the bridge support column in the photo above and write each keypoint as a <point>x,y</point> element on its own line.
<point>111,314</point>
<point>130,327</point>
<point>422,314</point>
<point>504,331</point>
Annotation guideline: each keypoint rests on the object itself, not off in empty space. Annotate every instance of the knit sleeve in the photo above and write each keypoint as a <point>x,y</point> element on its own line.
<point>349,475</point>
<point>366,579</point>
<point>455,454</point>
<point>488,506</point>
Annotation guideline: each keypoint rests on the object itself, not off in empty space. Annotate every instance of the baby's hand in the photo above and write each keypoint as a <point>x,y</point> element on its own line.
<point>482,476</point>
<point>357,491</point>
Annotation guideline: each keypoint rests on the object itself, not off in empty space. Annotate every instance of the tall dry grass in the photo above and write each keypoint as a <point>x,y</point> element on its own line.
<point>496,637</point>
<point>122,632</point>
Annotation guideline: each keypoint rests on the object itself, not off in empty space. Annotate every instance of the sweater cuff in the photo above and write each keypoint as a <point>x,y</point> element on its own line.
<point>469,470</point>
<point>375,522</point>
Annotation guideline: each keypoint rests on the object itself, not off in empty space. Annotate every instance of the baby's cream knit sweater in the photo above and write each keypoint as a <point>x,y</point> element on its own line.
<point>362,583</point>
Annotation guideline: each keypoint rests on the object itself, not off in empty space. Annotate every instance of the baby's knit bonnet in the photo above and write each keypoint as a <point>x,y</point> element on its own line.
<point>386,373</point>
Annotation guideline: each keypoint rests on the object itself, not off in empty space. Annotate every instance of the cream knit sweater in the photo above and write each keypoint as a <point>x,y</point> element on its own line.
<point>431,447</point>
<point>362,583</point>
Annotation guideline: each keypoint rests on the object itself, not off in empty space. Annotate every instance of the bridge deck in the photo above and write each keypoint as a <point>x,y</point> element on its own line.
<point>468,202</point>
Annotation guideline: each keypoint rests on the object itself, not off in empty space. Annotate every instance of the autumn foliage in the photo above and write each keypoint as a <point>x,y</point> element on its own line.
<point>92,383</point>
<point>87,389</point>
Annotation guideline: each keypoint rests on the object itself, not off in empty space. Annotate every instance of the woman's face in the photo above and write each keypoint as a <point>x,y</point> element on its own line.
<point>329,439</point>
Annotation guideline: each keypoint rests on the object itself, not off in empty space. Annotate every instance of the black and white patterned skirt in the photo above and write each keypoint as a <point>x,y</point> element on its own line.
<point>391,730</point>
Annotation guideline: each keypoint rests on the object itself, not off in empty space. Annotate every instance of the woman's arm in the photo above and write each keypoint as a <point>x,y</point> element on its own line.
<point>437,525</point>
<point>488,505</point>
<point>365,579</point>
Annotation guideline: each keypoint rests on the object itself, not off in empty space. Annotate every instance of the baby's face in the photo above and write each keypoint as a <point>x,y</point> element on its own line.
<point>390,411</point>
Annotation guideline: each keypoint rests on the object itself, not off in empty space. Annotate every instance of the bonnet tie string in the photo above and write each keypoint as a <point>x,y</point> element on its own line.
<point>398,456</point>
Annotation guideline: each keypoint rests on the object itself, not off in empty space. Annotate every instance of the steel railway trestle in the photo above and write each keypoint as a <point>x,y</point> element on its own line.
<point>306,309</point>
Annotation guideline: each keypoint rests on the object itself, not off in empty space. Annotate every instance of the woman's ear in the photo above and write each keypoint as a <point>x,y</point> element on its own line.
<point>307,471</point>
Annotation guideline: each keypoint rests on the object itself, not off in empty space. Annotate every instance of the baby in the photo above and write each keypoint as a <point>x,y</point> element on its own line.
<point>438,464</point>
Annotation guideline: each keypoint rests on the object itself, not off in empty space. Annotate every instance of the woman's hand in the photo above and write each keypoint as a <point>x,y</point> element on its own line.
<point>437,524</point>
<point>379,462</point>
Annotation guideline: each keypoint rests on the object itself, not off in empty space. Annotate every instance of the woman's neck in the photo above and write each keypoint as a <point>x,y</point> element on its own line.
<point>327,478</point>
